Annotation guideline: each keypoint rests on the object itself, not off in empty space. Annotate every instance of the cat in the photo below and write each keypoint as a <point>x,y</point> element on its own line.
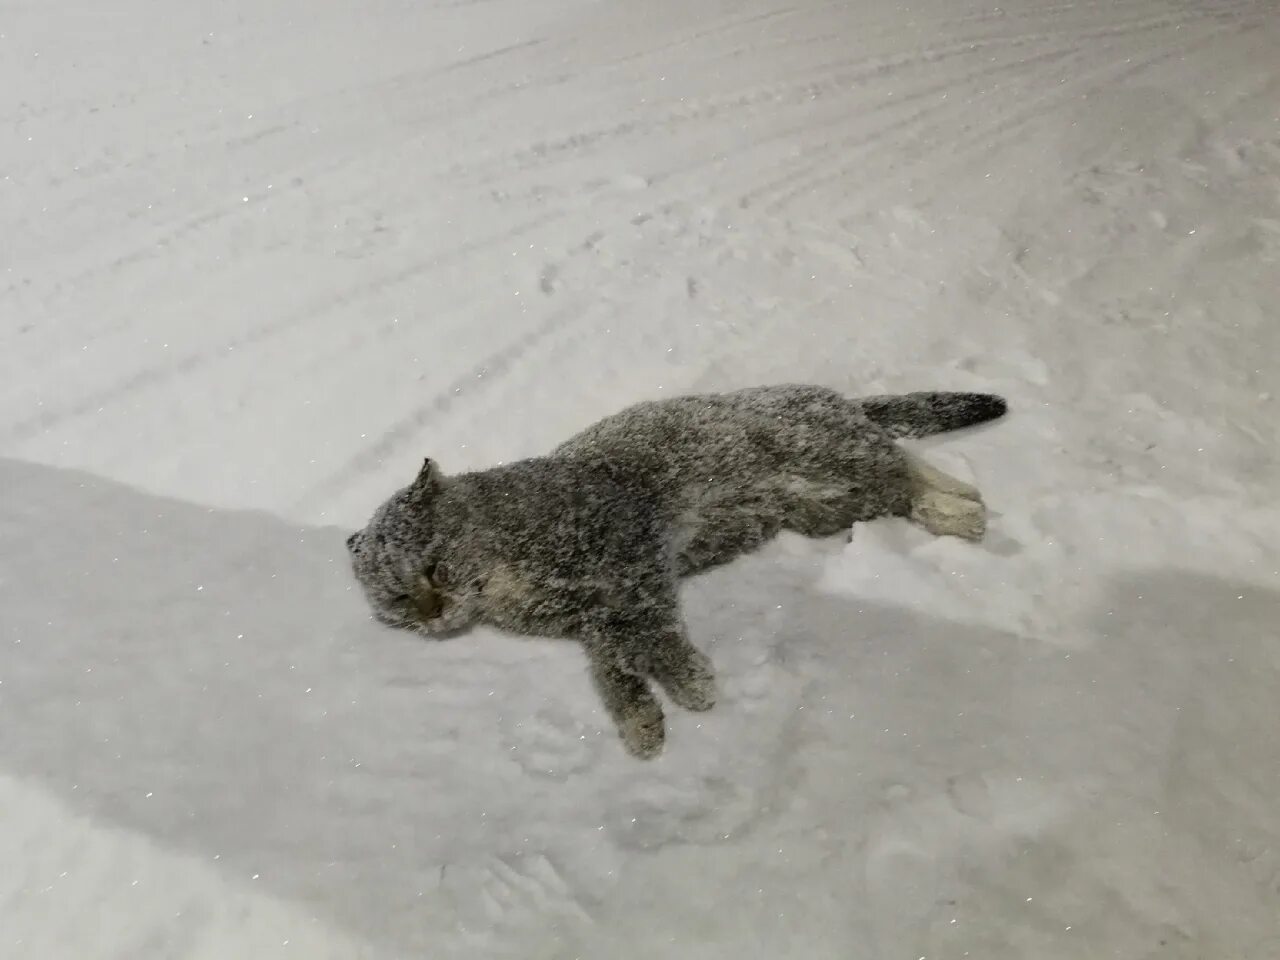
<point>590,541</point>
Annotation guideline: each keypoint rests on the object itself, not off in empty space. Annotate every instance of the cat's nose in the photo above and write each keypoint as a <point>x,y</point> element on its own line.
<point>428,604</point>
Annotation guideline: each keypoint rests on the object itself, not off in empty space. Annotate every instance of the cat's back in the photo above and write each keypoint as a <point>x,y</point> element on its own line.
<point>663,427</point>
<point>549,504</point>
<point>690,437</point>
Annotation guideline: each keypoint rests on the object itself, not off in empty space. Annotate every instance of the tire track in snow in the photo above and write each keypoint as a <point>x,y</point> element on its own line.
<point>982,139</point>
<point>540,153</point>
<point>716,110</point>
<point>886,28</point>
<point>875,138</point>
<point>405,429</point>
<point>371,455</point>
<point>986,140</point>
<point>352,100</point>
<point>335,113</point>
<point>157,375</point>
<point>1077,51</point>
<point>830,78</point>
<point>978,142</point>
<point>340,113</point>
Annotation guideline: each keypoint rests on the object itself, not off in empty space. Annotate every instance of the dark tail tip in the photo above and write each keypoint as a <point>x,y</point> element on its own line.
<point>986,406</point>
<point>924,414</point>
<point>954,411</point>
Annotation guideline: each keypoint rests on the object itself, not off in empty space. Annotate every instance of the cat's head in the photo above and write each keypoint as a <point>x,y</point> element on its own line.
<point>399,565</point>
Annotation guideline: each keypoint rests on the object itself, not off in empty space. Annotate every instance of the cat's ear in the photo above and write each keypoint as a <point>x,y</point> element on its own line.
<point>429,478</point>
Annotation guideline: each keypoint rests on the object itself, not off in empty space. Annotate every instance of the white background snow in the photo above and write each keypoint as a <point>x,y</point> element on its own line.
<point>258,258</point>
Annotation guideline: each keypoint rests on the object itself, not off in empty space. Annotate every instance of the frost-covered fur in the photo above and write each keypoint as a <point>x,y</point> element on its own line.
<point>590,541</point>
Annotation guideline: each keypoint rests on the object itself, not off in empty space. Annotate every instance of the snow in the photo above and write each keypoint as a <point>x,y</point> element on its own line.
<point>259,259</point>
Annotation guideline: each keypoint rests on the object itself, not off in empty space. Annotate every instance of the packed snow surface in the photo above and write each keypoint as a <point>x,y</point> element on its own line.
<point>258,259</point>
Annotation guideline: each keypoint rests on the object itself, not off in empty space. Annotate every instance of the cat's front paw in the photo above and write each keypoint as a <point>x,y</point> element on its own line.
<point>698,696</point>
<point>694,685</point>
<point>642,729</point>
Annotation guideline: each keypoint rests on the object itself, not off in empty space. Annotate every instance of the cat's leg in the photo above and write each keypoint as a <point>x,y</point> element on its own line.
<point>826,442</point>
<point>630,703</point>
<point>880,479</point>
<point>638,636</point>
<point>719,533</point>
<point>818,508</point>
<point>682,670</point>
<point>661,651</point>
<point>835,475</point>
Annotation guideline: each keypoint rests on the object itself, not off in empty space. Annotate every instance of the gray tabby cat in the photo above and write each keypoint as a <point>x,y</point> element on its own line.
<point>590,541</point>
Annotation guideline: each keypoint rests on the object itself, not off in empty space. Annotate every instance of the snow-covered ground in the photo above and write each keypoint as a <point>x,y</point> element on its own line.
<point>257,259</point>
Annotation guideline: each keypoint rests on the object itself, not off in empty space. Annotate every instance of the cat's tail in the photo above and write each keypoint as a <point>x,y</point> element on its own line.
<point>924,414</point>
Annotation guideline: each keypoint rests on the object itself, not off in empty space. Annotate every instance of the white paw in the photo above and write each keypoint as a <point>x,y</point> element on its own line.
<point>929,477</point>
<point>950,515</point>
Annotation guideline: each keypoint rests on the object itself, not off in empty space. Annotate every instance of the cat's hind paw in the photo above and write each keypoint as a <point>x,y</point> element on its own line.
<point>948,514</point>
<point>643,731</point>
